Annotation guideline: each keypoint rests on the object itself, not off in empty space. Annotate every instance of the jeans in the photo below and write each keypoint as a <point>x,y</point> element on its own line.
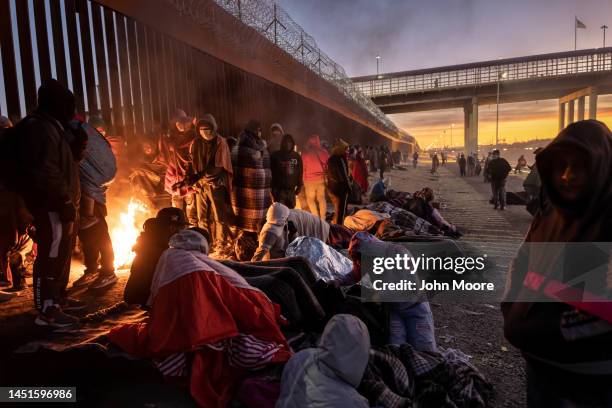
<point>96,243</point>
<point>214,214</point>
<point>412,323</point>
<point>315,197</point>
<point>187,204</point>
<point>498,188</point>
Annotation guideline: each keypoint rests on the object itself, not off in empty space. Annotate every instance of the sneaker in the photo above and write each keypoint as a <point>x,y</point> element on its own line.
<point>54,317</point>
<point>104,281</point>
<point>71,304</point>
<point>85,280</point>
<point>5,296</point>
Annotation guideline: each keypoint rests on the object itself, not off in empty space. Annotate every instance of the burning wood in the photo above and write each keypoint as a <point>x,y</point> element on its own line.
<point>126,231</point>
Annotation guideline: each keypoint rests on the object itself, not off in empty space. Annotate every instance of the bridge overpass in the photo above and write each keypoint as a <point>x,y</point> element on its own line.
<point>571,77</point>
<point>135,62</point>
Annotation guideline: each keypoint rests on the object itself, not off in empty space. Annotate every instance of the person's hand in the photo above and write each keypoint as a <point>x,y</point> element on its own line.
<point>68,212</point>
<point>298,189</point>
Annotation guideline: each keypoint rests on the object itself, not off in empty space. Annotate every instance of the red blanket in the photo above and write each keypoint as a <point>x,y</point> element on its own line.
<point>199,310</point>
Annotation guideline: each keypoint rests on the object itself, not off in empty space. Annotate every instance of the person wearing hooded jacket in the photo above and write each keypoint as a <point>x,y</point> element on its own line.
<point>287,172</point>
<point>565,341</point>
<point>339,182</point>
<point>210,173</point>
<point>175,155</point>
<point>327,376</point>
<point>499,168</point>
<point>251,195</point>
<point>314,159</point>
<point>48,154</point>
<point>274,140</point>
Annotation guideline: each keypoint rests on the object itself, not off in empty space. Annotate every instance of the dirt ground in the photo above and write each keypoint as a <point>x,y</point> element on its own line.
<point>473,327</point>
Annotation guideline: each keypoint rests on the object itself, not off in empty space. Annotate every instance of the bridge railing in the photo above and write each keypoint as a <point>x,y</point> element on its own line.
<point>551,66</point>
<point>272,22</point>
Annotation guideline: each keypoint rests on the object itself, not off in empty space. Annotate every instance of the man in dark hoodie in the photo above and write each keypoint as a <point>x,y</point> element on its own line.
<point>287,169</point>
<point>210,173</point>
<point>48,154</point>
<point>499,168</point>
<point>565,339</point>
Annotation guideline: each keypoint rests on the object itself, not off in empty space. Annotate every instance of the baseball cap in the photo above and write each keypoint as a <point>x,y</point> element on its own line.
<point>172,216</point>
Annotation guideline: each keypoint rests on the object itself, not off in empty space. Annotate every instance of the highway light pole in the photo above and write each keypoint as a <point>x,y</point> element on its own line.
<point>604,28</point>
<point>452,126</point>
<point>502,75</point>
<point>377,65</point>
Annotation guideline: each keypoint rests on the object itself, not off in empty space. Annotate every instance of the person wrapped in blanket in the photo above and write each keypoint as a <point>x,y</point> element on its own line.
<point>283,225</point>
<point>411,321</point>
<point>207,321</point>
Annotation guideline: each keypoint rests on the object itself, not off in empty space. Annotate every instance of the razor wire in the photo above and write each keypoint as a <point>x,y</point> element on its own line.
<point>275,24</point>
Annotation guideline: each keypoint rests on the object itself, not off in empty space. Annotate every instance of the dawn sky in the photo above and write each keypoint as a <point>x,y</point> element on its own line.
<point>411,34</point>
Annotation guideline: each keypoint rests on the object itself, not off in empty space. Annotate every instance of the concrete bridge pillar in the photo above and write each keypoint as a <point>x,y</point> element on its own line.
<point>570,112</point>
<point>581,108</point>
<point>470,118</point>
<point>593,103</point>
<point>561,116</point>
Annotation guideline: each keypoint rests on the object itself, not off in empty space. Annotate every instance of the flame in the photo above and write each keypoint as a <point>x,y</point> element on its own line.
<point>125,233</point>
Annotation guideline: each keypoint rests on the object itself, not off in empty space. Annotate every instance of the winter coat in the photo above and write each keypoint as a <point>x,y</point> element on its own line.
<point>534,326</point>
<point>338,181</point>
<point>174,153</point>
<point>99,167</point>
<point>49,173</point>
<point>327,376</point>
<point>499,169</point>
<point>360,172</point>
<point>314,159</point>
<point>273,238</point>
<point>251,194</point>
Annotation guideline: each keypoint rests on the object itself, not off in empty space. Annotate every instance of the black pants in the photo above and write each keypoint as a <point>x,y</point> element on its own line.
<point>97,245</point>
<point>55,242</point>
<point>214,213</point>
<point>498,188</point>
<point>462,171</point>
<point>285,196</point>
<point>340,201</point>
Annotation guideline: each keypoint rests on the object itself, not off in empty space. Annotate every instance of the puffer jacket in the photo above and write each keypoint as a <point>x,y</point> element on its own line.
<point>327,376</point>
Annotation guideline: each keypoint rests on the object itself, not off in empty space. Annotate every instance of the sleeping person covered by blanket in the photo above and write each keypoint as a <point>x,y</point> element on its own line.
<point>206,320</point>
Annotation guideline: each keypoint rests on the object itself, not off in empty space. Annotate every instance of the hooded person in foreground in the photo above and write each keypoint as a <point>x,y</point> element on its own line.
<point>47,155</point>
<point>205,319</point>
<point>566,340</point>
<point>327,376</point>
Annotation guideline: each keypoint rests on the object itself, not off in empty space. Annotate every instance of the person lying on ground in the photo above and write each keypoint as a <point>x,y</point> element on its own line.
<point>207,320</point>
<point>409,321</point>
<point>566,340</point>
<point>432,214</point>
<point>150,245</point>
<point>328,375</point>
<point>283,225</point>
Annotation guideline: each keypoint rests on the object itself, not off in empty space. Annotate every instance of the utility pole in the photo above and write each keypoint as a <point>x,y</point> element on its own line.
<point>604,28</point>
<point>377,65</point>
<point>502,75</point>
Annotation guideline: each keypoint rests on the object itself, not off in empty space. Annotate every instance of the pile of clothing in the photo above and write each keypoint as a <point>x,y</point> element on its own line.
<point>402,223</point>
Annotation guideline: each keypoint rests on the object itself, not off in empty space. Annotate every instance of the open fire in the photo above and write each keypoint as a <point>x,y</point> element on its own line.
<point>125,232</point>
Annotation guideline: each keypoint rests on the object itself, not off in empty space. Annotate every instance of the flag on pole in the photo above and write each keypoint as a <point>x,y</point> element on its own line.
<point>580,24</point>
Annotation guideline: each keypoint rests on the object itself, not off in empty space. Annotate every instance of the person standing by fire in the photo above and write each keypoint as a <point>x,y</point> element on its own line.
<point>210,173</point>
<point>48,154</point>
<point>174,154</point>
<point>97,171</point>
